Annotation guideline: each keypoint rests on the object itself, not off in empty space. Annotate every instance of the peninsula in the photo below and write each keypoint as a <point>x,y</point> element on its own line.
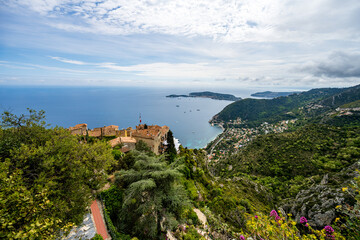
<point>207,94</point>
<point>269,94</point>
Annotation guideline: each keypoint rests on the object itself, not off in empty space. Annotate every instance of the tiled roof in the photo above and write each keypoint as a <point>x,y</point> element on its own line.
<point>77,126</point>
<point>152,131</point>
<point>114,142</point>
<point>127,140</point>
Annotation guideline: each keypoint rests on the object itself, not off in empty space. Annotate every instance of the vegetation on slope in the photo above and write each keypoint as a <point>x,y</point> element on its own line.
<point>282,160</point>
<point>257,111</point>
<point>46,178</point>
<point>153,200</point>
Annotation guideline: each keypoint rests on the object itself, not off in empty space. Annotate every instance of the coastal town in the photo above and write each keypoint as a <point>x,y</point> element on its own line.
<point>235,137</point>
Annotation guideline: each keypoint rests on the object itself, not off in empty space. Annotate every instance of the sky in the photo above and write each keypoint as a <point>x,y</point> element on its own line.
<point>293,44</point>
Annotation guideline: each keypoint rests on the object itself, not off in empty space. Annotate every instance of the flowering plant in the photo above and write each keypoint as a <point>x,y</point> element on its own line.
<point>276,226</point>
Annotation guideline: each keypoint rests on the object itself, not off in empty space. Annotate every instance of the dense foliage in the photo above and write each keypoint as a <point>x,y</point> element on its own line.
<point>170,148</point>
<point>257,111</point>
<point>47,177</point>
<point>153,198</point>
<point>282,160</point>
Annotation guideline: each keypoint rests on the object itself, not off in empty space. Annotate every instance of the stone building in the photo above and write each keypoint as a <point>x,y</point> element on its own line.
<point>79,129</point>
<point>154,136</point>
<point>106,131</point>
<point>127,143</point>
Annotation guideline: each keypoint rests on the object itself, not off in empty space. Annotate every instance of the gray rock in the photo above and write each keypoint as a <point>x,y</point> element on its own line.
<point>318,202</point>
<point>322,219</point>
<point>325,179</point>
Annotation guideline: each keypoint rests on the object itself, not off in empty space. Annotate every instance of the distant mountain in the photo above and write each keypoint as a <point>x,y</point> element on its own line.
<point>310,104</point>
<point>269,94</point>
<point>207,94</point>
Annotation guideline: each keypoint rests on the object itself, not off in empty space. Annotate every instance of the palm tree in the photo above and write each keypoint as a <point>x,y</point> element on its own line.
<point>154,198</point>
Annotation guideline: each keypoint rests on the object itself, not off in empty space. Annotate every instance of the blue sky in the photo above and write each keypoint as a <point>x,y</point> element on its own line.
<point>179,43</point>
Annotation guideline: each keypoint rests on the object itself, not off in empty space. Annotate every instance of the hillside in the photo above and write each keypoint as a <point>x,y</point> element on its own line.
<point>278,159</point>
<point>307,163</point>
<point>269,94</point>
<point>257,111</point>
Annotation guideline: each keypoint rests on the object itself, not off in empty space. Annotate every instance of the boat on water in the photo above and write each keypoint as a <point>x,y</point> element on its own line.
<point>177,106</point>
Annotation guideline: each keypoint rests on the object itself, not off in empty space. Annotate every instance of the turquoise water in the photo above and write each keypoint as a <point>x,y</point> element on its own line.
<point>99,106</point>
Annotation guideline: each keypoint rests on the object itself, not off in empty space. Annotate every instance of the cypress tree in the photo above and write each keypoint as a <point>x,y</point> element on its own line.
<point>170,150</point>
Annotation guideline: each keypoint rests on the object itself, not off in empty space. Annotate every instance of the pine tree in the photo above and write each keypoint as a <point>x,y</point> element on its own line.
<point>153,199</point>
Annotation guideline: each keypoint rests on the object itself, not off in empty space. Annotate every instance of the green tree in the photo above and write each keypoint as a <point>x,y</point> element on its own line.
<point>47,177</point>
<point>24,129</point>
<point>170,150</point>
<point>154,198</point>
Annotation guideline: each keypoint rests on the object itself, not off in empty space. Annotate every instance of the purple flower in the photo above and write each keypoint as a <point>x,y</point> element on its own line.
<point>329,229</point>
<point>242,237</point>
<point>303,220</point>
<point>277,218</point>
<point>273,213</point>
<point>256,217</point>
<point>306,225</point>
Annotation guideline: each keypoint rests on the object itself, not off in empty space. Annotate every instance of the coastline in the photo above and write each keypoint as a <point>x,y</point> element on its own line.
<point>65,107</point>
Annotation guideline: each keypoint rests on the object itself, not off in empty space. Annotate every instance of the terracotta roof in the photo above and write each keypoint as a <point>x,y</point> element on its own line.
<point>165,129</point>
<point>81,125</point>
<point>114,142</point>
<point>152,131</point>
<point>77,126</point>
<point>127,140</point>
<point>146,133</point>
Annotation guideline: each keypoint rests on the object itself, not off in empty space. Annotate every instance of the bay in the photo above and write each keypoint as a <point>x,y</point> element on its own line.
<point>101,106</point>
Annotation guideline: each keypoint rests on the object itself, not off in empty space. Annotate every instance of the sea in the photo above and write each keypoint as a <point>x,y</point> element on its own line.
<point>188,118</point>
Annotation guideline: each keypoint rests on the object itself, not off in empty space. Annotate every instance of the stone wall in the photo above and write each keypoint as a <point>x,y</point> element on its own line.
<point>79,129</point>
<point>96,132</point>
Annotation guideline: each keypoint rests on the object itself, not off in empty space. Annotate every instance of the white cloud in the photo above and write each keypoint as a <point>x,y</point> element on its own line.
<point>69,61</point>
<point>223,20</point>
<point>249,42</point>
<point>162,69</point>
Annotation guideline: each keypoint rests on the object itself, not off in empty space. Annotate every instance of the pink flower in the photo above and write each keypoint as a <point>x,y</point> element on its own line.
<point>256,217</point>
<point>306,225</point>
<point>273,213</point>
<point>303,220</point>
<point>242,237</point>
<point>329,229</point>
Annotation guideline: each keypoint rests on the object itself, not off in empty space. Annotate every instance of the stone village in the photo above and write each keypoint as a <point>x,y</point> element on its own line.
<point>154,136</point>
